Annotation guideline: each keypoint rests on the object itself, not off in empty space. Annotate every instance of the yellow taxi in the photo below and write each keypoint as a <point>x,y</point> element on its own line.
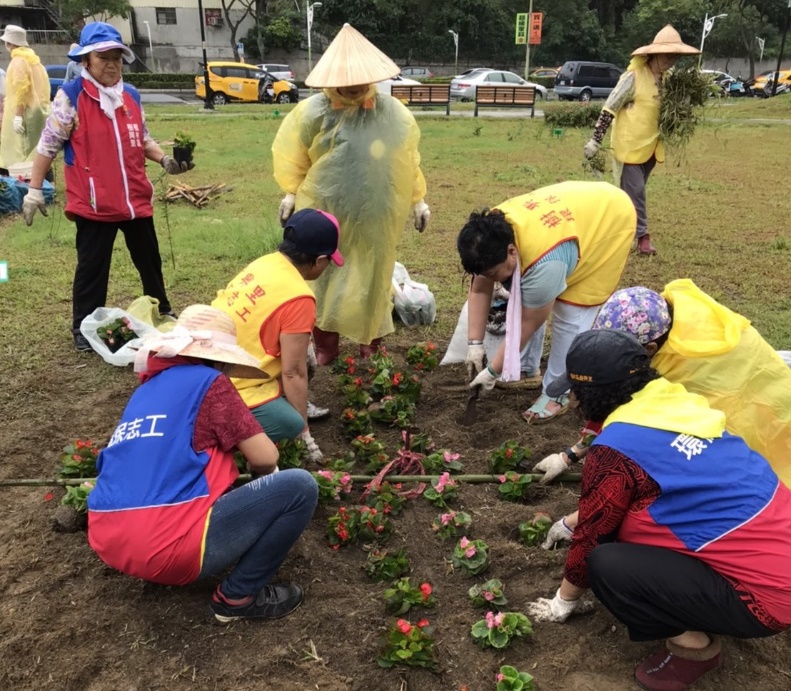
<point>760,80</point>
<point>237,81</point>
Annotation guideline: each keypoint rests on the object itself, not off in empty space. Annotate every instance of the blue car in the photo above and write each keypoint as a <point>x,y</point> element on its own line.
<point>57,73</point>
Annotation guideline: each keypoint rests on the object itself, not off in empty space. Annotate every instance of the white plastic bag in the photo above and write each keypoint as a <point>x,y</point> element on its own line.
<point>414,302</point>
<point>457,349</point>
<point>102,316</point>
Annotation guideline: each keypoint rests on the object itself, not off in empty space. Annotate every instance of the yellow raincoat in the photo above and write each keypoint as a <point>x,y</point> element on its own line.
<point>716,353</point>
<point>359,161</point>
<point>26,83</point>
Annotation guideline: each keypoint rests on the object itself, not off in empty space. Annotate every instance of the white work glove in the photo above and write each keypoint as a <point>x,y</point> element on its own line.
<point>475,360</point>
<point>33,201</point>
<point>552,466</point>
<point>559,532</point>
<point>312,362</point>
<point>500,292</point>
<point>173,167</point>
<point>314,452</point>
<point>591,149</point>
<point>422,215</point>
<point>316,413</point>
<point>286,208</point>
<point>485,379</point>
<point>557,609</point>
<point>19,124</point>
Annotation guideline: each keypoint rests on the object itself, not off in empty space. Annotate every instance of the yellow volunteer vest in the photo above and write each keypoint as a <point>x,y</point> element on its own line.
<point>635,133</point>
<point>250,299</point>
<point>715,352</point>
<point>598,216</point>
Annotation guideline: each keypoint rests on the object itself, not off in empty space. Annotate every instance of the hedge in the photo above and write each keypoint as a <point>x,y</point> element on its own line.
<point>160,80</point>
<point>573,115</point>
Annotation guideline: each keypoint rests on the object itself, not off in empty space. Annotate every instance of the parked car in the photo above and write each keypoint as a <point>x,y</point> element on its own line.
<point>463,87</point>
<point>278,71</point>
<point>56,74</point>
<point>236,81</point>
<point>470,71</point>
<point>416,72</point>
<point>762,79</point>
<point>385,86</point>
<point>586,80</point>
<point>545,76</point>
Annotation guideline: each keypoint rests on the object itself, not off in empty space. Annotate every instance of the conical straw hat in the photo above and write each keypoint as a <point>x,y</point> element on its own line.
<point>667,41</point>
<point>351,59</point>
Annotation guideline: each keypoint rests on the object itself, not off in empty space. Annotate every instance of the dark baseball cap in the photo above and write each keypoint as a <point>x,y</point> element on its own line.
<point>316,233</point>
<point>600,357</point>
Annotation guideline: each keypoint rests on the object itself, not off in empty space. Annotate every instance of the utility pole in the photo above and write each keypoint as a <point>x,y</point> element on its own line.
<point>527,42</point>
<point>208,104</point>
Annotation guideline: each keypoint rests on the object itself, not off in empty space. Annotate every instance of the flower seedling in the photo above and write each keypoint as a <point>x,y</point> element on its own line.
<point>344,366</point>
<point>497,630</point>
<point>417,443</point>
<point>489,594</point>
<point>409,645</point>
<point>442,490</point>
<point>386,566</point>
<point>423,356</point>
<point>386,498</point>
<point>183,147</point>
<point>291,453</point>
<point>370,450</point>
<point>79,459</point>
<point>355,394</point>
<point>511,679</point>
<point>374,524</point>
<point>341,464</point>
<point>77,497</point>
<point>534,531</point>
<point>452,524</point>
<point>333,485</point>
<point>356,422</point>
<point>513,486</point>
<point>116,334</point>
<point>507,457</point>
<point>403,596</point>
<point>343,528</point>
<point>393,410</point>
<point>471,556</point>
<point>442,462</point>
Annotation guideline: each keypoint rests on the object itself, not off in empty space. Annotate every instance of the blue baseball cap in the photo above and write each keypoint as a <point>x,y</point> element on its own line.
<point>100,36</point>
<point>316,233</point>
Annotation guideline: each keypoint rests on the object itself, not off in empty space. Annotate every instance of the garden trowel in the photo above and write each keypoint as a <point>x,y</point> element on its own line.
<point>471,414</point>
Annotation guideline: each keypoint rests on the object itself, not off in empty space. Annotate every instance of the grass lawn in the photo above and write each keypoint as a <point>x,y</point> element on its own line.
<point>720,218</point>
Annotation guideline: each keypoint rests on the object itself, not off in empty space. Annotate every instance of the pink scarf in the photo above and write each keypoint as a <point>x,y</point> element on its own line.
<point>512,366</point>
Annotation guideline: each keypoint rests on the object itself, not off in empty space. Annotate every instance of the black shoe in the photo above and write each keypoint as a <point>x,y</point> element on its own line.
<point>273,602</point>
<point>81,343</point>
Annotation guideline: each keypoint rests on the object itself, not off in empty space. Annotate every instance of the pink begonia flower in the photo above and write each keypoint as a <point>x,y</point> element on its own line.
<point>463,543</point>
<point>502,479</point>
<point>500,677</point>
<point>346,479</point>
<point>498,619</point>
<point>444,480</point>
<point>470,553</point>
<point>326,474</point>
<point>490,620</point>
<point>446,518</point>
<point>487,595</point>
<point>450,457</point>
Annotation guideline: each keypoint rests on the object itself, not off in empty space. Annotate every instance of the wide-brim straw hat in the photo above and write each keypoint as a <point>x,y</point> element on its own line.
<point>15,35</point>
<point>202,332</point>
<point>668,42</point>
<point>351,60</point>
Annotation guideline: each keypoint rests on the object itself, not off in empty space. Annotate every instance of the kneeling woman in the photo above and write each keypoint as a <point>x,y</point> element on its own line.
<point>702,522</point>
<point>163,509</point>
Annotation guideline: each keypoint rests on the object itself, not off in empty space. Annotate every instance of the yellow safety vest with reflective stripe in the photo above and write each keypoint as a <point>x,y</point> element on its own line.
<point>250,299</point>
<point>635,133</point>
<point>598,216</point>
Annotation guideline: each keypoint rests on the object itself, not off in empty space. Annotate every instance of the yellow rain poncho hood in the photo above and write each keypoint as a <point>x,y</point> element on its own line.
<point>27,83</point>
<point>357,159</point>
<point>715,352</point>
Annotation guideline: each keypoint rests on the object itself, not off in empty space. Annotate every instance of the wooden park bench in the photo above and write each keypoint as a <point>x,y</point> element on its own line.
<point>506,97</point>
<point>423,95</point>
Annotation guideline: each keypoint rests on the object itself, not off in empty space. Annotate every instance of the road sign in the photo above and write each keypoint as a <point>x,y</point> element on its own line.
<point>536,20</point>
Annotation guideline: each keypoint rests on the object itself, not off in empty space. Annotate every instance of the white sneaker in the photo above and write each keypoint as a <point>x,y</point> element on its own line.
<point>316,413</point>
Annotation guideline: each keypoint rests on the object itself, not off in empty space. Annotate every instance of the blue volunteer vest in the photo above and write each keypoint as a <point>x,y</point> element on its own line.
<point>149,460</point>
<point>710,487</point>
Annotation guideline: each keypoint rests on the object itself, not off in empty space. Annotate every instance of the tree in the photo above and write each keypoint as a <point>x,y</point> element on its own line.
<point>70,15</point>
<point>246,8</point>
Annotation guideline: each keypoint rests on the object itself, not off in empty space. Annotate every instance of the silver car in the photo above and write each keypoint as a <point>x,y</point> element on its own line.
<point>278,71</point>
<point>463,87</point>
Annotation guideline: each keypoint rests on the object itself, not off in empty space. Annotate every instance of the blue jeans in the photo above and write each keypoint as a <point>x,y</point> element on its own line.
<point>255,526</point>
<point>279,419</point>
<point>532,352</point>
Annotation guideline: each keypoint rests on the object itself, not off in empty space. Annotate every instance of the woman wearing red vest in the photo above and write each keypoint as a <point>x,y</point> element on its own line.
<point>684,532</point>
<point>99,123</point>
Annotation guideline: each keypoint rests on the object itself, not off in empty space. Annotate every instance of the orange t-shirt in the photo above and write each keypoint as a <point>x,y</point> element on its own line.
<point>294,317</point>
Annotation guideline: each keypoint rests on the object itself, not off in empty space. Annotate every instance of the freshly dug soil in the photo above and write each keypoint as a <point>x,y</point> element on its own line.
<point>68,622</point>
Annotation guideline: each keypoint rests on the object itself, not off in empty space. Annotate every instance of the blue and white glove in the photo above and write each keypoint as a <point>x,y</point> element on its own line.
<point>559,532</point>
<point>485,379</point>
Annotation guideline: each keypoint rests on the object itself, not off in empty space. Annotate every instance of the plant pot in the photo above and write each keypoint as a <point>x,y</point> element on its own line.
<point>182,154</point>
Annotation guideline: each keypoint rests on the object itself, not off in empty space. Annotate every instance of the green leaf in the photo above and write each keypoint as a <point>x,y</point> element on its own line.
<point>498,639</point>
<point>403,654</point>
<point>509,671</point>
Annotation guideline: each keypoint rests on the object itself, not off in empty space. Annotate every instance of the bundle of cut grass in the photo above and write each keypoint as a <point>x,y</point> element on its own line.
<point>683,93</point>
